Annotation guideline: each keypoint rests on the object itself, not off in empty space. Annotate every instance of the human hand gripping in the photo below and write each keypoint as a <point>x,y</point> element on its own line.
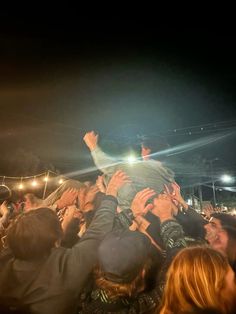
<point>91,140</point>
<point>208,209</point>
<point>4,211</point>
<point>139,206</point>
<point>119,179</point>
<point>68,198</point>
<point>89,197</point>
<point>176,195</point>
<point>101,184</point>
<point>164,207</point>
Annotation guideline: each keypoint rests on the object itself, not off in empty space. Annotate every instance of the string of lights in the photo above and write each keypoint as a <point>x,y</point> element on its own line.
<point>33,180</point>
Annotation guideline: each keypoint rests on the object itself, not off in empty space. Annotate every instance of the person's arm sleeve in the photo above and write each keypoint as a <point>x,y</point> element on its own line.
<point>80,260</point>
<point>172,235</point>
<point>104,162</point>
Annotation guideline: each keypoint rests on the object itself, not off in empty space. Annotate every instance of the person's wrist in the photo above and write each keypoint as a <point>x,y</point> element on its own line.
<point>165,217</point>
<point>162,215</point>
<point>58,204</point>
<point>92,147</point>
<point>111,190</point>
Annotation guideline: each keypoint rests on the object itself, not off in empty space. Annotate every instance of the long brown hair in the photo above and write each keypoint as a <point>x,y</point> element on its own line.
<point>194,281</point>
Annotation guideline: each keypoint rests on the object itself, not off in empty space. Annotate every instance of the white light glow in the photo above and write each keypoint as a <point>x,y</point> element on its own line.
<point>226,178</point>
<point>45,179</point>
<point>34,183</point>
<point>20,186</point>
<point>189,201</point>
<point>131,159</point>
<point>60,181</point>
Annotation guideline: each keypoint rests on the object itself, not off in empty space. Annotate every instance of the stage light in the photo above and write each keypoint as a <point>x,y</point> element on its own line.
<point>131,159</point>
<point>60,181</point>
<point>226,178</point>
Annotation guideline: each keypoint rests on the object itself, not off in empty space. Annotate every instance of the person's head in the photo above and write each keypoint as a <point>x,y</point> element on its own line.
<point>31,202</point>
<point>151,145</point>
<point>199,278</point>
<point>122,258</point>
<point>33,234</point>
<point>221,234</point>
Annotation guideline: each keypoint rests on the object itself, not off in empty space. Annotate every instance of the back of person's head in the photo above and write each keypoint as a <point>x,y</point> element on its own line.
<point>122,258</point>
<point>33,234</point>
<point>155,143</point>
<point>31,201</point>
<point>195,280</point>
<point>192,223</point>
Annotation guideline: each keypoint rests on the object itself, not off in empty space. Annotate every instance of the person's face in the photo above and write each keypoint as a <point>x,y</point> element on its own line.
<point>216,236</point>
<point>145,152</point>
<point>27,204</point>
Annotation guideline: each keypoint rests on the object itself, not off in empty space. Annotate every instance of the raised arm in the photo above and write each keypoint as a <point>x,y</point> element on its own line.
<point>104,162</point>
<point>82,257</point>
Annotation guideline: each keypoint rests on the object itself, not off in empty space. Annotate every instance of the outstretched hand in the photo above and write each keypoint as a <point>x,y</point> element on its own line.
<point>139,206</point>
<point>119,179</point>
<point>101,184</point>
<point>3,209</point>
<point>91,140</point>
<point>90,194</point>
<point>68,198</point>
<point>176,195</point>
<point>164,207</point>
<point>208,209</point>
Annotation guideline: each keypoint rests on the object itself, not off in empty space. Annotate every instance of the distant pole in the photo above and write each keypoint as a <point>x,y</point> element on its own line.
<point>45,185</point>
<point>213,182</point>
<point>200,195</point>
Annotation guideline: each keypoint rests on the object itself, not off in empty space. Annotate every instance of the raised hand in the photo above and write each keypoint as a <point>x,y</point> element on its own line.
<point>138,205</point>
<point>91,140</point>
<point>3,209</point>
<point>100,184</point>
<point>68,198</point>
<point>164,207</point>
<point>81,196</point>
<point>118,179</point>
<point>176,195</point>
<point>90,194</point>
<point>208,209</point>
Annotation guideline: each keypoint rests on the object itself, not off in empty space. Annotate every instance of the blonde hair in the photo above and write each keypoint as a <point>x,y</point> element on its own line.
<point>194,280</point>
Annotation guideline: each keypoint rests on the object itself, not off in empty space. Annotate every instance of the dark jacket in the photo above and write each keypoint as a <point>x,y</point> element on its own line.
<point>52,285</point>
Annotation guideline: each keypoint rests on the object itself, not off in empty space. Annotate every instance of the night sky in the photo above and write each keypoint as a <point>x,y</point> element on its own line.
<point>61,77</point>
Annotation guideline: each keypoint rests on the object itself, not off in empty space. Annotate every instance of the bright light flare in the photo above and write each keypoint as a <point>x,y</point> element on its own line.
<point>34,183</point>
<point>60,181</point>
<point>131,159</point>
<point>20,186</point>
<point>226,178</point>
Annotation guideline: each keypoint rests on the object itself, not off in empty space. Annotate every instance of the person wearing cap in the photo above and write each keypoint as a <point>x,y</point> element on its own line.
<point>123,262</point>
<point>143,173</point>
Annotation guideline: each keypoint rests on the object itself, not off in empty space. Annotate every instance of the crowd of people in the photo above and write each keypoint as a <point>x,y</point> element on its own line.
<point>127,243</point>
